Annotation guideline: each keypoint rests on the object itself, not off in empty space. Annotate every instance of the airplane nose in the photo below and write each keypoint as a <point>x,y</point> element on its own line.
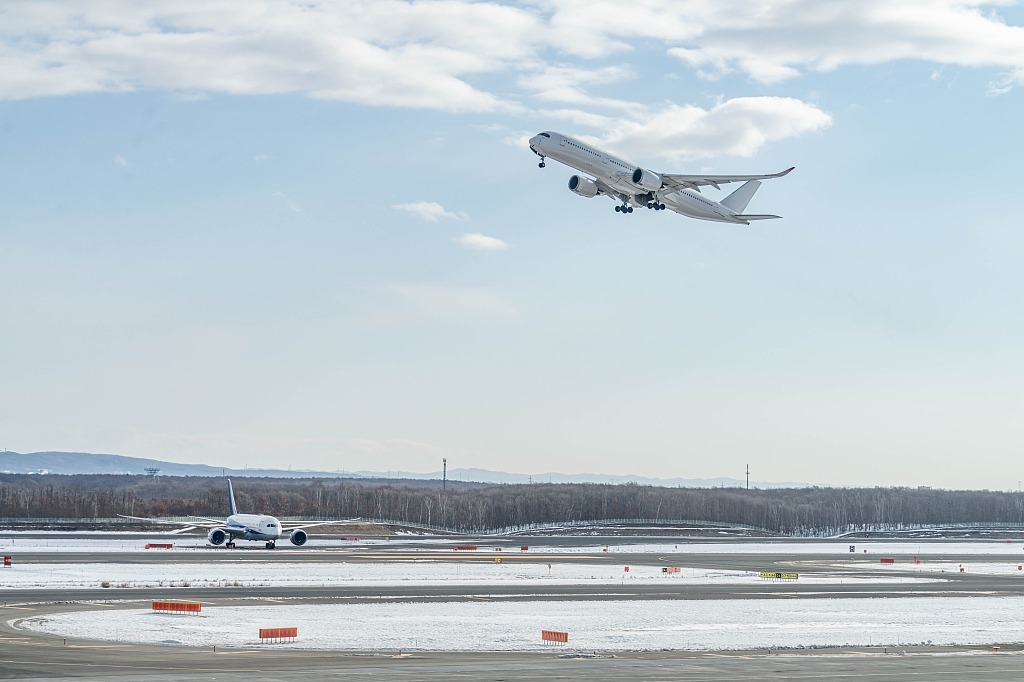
<point>534,141</point>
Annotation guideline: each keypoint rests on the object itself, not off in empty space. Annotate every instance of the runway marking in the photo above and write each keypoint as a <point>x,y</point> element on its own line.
<point>19,608</point>
<point>473,596</point>
<point>234,652</point>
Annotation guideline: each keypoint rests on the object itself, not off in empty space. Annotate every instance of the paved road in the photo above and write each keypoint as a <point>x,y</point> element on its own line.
<point>25,654</point>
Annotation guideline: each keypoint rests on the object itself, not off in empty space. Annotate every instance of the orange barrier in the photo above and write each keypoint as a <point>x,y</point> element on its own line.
<point>159,545</point>
<point>353,539</point>
<point>278,634</point>
<point>178,606</point>
<point>554,636</point>
<point>886,560</point>
<point>465,547</point>
<point>524,548</point>
<point>670,569</point>
<point>7,561</point>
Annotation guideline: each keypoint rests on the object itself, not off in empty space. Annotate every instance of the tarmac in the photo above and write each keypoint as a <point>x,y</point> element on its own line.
<point>25,654</point>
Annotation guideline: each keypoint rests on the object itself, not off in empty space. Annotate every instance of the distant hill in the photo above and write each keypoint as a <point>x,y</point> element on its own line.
<point>90,463</point>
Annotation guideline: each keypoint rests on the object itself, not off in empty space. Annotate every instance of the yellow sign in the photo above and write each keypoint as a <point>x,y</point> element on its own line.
<point>498,560</point>
<point>779,576</point>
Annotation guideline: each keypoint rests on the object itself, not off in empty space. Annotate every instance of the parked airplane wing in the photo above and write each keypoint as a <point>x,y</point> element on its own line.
<point>286,527</point>
<point>185,525</point>
<point>673,181</point>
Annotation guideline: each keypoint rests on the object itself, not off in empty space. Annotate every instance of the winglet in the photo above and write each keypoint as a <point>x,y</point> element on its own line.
<point>231,498</point>
<point>787,171</point>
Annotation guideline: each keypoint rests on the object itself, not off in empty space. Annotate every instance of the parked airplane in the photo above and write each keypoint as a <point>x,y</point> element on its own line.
<point>254,527</point>
<point>636,186</point>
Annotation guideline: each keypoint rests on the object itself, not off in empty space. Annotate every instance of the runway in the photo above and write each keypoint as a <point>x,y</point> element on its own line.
<point>26,654</point>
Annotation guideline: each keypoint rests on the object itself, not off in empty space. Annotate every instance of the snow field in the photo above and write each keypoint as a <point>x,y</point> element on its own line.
<point>392,573</point>
<point>12,543</point>
<point>592,625</point>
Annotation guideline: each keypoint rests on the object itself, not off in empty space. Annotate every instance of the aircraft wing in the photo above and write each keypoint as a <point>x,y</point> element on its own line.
<point>674,181</point>
<point>183,525</point>
<point>286,527</point>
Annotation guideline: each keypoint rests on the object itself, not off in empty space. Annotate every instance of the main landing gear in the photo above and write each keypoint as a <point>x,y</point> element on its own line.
<point>624,209</point>
<point>656,206</point>
<point>230,545</point>
<point>271,545</point>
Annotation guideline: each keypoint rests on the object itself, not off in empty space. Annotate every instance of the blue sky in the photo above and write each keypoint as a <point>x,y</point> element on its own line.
<point>312,235</point>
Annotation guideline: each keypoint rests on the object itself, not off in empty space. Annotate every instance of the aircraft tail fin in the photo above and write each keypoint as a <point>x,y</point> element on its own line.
<point>231,498</point>
<point>738,200</point>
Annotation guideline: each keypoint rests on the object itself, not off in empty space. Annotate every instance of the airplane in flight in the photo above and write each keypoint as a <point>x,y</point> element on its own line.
<point>636,186</point>
<point>253,527</point>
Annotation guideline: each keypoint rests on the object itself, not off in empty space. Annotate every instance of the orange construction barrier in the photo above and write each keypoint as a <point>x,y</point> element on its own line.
<point>278,634</point>
<point>465,547</point>
<point>7,561</point>
<point>670,569</point>
<point>554,636</point>
<point>178,606</point>
<point>524,548</point>
<point>886,560</point>
<point>159,545</point>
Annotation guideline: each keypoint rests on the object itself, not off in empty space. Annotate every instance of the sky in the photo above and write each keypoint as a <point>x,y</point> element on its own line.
<point>311,234</point>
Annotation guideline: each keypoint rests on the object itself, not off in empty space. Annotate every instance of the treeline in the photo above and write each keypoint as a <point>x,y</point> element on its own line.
<point>480,507</point>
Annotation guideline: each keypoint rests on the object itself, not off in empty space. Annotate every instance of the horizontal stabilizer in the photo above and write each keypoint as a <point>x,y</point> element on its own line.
<point>753,216</point>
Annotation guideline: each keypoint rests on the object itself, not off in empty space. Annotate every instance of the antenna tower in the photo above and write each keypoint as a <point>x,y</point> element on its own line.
<point>444,474</point>
<point>748,477</point>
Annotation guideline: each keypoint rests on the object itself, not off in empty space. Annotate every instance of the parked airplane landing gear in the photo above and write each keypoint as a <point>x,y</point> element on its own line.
<point>230,545</point>
<point>271,545</point>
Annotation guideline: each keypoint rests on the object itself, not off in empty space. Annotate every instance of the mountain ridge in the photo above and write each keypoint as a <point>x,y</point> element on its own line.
<point>68,463</point>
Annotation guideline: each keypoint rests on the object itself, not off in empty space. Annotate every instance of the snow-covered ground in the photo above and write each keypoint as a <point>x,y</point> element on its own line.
<point>394,573</point>
<point>592,625</point>
<point>11,543</point>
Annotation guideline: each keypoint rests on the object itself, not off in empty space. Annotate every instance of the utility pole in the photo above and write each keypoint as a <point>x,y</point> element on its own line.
<point>444,474</point>
<point>748,477</point>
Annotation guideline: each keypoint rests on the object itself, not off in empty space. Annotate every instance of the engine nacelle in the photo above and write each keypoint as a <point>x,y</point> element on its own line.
<point>647,180</point>
<point>216,536</point>
<point>585,187</point>
<point>298,538</point>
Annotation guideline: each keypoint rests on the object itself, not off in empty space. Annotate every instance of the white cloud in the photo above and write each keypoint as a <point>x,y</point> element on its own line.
<point>738,127</point>
<point>481,242</point>
<point>771,42</point>
<point>120,161</point>
<point>430,211</point>
<point>432,55</point>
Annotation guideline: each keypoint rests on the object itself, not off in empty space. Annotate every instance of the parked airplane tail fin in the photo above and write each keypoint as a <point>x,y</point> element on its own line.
<point>738,200</point>
<point>231,498</point>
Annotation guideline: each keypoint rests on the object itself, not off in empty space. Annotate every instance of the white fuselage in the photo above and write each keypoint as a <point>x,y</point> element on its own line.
<point>617,175</point>
<point>254,527</point>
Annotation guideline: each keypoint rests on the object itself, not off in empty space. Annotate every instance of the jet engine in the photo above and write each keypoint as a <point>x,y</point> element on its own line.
<point>646,180</point>
<point>585,187</point>
<point>298,537</point>
<point>216,536</point>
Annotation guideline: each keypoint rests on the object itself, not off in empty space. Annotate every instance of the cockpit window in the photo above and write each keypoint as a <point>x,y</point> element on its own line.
<point>271,525</point>
<point>544,135</point>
